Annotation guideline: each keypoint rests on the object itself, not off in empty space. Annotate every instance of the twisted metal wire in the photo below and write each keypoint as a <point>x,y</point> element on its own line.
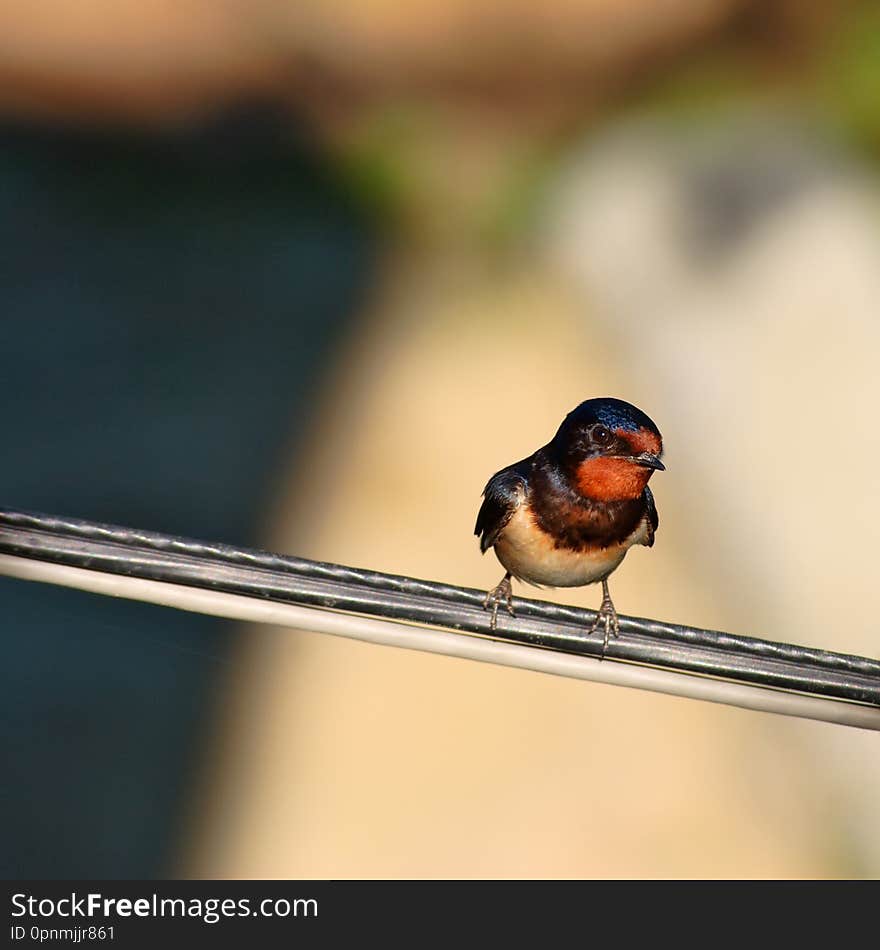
<point>286,579</point>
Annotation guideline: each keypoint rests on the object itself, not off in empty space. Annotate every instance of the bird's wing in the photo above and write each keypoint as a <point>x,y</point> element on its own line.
<point>652,519</point>
<point>501,497</point>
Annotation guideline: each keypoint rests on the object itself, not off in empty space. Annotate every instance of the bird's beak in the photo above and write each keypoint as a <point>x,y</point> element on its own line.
<point>648,460</point>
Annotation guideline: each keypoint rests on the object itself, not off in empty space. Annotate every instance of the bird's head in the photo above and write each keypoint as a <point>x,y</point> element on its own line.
<point>608,449</point>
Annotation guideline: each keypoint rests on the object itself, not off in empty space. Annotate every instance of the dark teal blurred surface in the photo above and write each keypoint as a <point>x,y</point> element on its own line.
<point>169,304</point>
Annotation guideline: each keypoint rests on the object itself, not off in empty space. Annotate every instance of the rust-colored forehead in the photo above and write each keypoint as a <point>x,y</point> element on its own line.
<point>642,440</point>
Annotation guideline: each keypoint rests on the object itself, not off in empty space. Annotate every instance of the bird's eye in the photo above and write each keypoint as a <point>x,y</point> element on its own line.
<point>601,435</point>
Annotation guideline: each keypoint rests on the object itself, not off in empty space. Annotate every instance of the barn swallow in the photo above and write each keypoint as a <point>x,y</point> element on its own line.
<point>566,515</point>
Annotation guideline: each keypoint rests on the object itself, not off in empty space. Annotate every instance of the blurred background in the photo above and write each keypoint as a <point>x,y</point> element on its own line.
<point>302,276</point>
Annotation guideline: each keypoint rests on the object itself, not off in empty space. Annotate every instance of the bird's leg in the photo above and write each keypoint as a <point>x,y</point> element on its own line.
<point>607,616</point>
<point>502,591</point>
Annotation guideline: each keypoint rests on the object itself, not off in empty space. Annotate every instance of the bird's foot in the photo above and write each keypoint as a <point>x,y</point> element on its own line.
<point>607,618</point>
<point>502,592</point>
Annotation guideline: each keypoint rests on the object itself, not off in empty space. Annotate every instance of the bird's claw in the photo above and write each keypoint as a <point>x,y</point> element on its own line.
<point>502,591</point>
<point>607,618</point>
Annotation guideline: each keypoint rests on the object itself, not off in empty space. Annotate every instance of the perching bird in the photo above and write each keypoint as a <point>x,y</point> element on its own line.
<point>566,515</point>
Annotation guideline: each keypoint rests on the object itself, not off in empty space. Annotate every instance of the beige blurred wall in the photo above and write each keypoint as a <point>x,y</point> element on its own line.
<point>341,759</point>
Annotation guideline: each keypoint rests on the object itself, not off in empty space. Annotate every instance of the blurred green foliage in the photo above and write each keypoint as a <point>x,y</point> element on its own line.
<point>409,163</point>
<point>849,79</point>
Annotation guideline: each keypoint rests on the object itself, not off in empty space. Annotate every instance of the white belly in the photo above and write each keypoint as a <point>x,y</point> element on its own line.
<point>530,556</point>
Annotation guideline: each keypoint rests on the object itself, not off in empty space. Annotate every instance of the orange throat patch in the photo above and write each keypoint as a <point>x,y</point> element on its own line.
<point>611,479</point>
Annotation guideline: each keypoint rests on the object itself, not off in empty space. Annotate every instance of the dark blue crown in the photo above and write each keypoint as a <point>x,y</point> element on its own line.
<point>613,413</point>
